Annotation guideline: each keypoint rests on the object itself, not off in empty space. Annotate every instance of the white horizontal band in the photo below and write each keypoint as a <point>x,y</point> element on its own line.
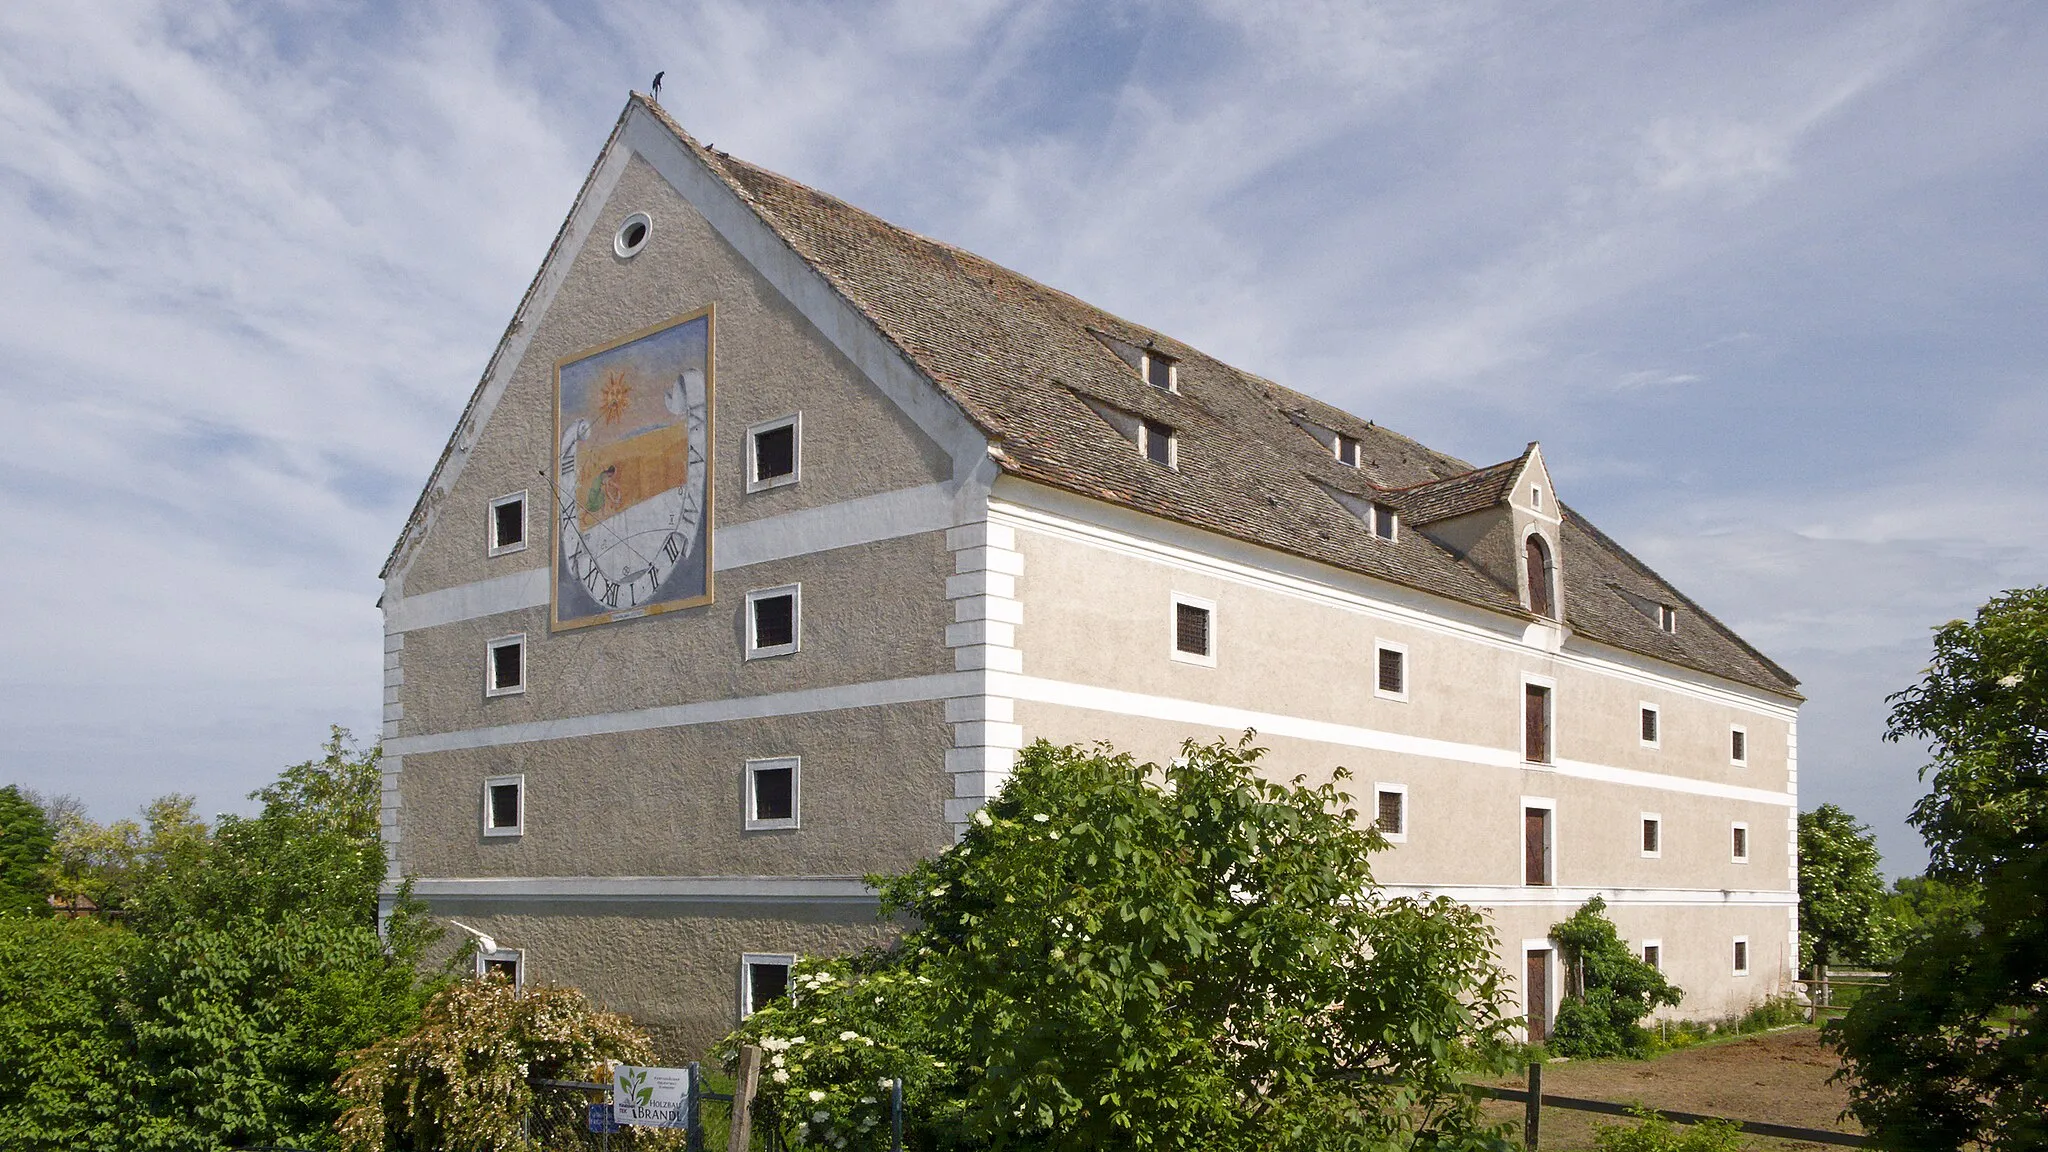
<point>854,889</point>
<point>1228,719</point>
<point>679,889</point>
<point>1496,895</point>
<point>885,516</point>
<point>910,690</point>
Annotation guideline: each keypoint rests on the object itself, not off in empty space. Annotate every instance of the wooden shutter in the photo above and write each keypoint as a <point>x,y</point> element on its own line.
<point>1538,986</point>
<point>1539,576</point>
<point>1536,724</point>
<point>1536,846</point>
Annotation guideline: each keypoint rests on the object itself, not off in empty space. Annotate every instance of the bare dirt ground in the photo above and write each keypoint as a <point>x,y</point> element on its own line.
<point>1780,1077</point>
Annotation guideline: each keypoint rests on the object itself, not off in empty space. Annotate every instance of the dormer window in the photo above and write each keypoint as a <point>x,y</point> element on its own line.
<point>1159,372</point>
<point>1667,618</point>
<point>1346,450</point>
<point>1155,440</point>
<point>1542,576</point>
<point>1386,523</point>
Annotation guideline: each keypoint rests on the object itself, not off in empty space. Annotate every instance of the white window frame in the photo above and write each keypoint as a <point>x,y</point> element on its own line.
<point>1172,443</point>
<point>1173,630</point>
<point>747,962</point>
<point>1145,358</point>
<point>518,781</point>
<point>1379,646</point>
<point>1743,826</point>
<point>624,250</point>
<point>491,545</point>
<point>793,421</point>
<point>1530,679</point>
<point>516,955</point>
<point>1658,852</point>
<point>1393,518</point>
<point>755,823</point>
<point>795,592</point>
<point>1667,619</point>
<point>1735,761</point>
<point>1550,850</point>
<point>1747,959</point>
<point>1407,814</point>
<point>491,647</point>
<point>1536,497</point>
<point>1654,710</point>
<point>1646,946</point>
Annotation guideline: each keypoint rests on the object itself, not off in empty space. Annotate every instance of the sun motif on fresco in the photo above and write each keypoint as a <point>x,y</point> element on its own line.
<point>616,397</point>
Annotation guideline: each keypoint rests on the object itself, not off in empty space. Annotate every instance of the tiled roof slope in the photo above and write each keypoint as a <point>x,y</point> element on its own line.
<point>1457,495</point>
<point>1019,358</point>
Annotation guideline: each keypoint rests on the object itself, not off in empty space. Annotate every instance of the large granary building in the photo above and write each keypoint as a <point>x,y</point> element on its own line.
<point>772,531</point>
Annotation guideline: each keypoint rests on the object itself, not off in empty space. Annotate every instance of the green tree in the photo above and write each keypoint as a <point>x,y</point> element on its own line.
<point>112,865</point>
<point>25,840</point>
<point>1954,1050</point>
<point>1128,955</point>
<point>1613,989</point>
<point>1913,906</point>
<point>1840,891</point>
<point>64,1057</point>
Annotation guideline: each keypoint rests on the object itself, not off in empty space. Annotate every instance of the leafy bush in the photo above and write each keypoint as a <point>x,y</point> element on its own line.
<point>25,839</point>
<point>460,1078</point>
<point>1614,989</point>
<point>63,1053</point>
<point>1127,955</point>
<point>1653,1133</point>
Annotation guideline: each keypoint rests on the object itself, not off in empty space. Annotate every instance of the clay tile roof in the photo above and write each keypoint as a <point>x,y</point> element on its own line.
<point>1457,495</point>
<point>1024,361</point>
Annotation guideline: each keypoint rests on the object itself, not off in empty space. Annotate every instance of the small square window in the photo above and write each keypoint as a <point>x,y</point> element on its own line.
<point>1346,450</point>
<point>1392,815</point>
<point>505,666</point>
<point>1653,954</point>
<point>1738,843</point>
<point>505,806</point>
<point>1653,835</point>
<point>1649,726</point>
<point>1391,675</point>
<point>773,621</point>
<point>774,453</point>
<point>764,977</point>
<point>1742,955</point>
<point>507,524</point>
<point>508,963</point>
<point>1160,372</point>
<point>1738,747</point>
<point>1194,631</point>
<point>1386,523</point>
<point>773,793</point>
<point>1156,440</point>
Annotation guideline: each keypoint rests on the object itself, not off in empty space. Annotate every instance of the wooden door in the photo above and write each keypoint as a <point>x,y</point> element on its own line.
<point>1536,724</point>
<point>1536,846</point>
<point>1538,989</point>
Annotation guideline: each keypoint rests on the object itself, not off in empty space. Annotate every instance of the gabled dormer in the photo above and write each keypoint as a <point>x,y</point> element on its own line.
<point>1153,366</point>
<point>1502,520</point>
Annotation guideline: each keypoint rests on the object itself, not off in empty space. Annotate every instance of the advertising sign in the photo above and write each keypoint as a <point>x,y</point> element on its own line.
<point>651,1097</point>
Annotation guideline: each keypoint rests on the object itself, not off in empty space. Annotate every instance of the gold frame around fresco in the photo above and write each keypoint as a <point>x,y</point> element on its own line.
<point>709,314</point>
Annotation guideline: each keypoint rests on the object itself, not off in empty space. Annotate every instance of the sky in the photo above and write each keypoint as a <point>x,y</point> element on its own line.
<point>1766,280</point>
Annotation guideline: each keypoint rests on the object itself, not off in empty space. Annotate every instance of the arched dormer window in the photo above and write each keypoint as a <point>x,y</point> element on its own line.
<point>1542,576</point>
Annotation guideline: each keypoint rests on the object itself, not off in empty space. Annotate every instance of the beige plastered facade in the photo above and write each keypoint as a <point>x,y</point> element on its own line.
<point>946,619</point>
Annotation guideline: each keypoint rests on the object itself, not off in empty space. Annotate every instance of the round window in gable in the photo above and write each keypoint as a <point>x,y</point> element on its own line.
<point>632,235</point>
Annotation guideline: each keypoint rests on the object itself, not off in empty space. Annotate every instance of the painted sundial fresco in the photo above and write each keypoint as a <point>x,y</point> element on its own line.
<point>633,487</point>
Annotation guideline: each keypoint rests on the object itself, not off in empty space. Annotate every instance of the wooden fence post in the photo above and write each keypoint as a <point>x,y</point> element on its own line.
<point>743,1090</point>
<point>693,1127</point>
<point>1532,1117</point>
